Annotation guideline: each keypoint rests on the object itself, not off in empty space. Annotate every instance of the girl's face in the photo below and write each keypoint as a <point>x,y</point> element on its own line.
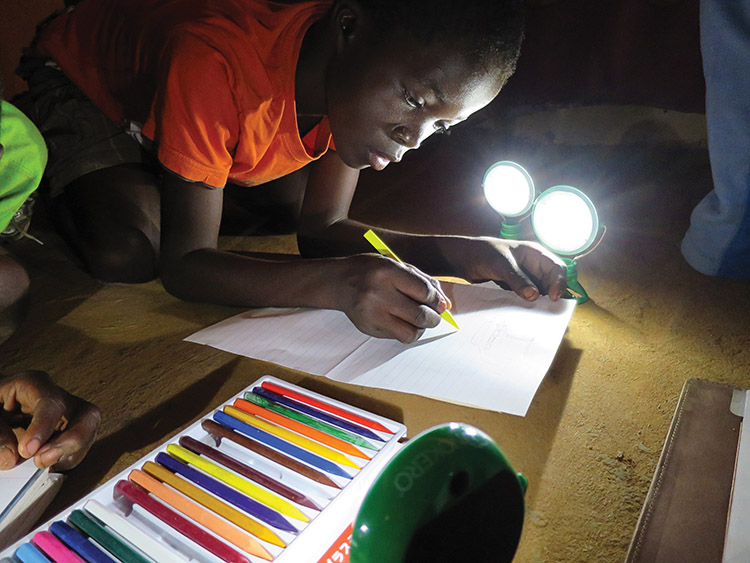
<point>384,100</point>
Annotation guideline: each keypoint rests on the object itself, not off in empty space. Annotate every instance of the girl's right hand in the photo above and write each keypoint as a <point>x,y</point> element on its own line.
<point>389,300</point>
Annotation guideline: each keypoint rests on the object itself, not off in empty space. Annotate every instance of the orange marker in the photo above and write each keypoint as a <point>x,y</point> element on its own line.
<point>212,503</point>
<point>200,515</point>
<point>299,427</point>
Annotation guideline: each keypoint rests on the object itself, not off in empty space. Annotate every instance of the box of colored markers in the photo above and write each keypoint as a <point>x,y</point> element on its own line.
<point>275,474</point>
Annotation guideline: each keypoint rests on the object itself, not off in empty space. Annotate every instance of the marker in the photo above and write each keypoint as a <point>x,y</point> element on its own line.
<point>296,426</point>
<point>212,503</point>
<point>219,431</point>
<point>246,471</point>
<point>54,548</point>
<point>383,249</point>
<point>127,493</point>
<point>137,537</point>
<point>310,421</point>
<point>274,442</point>
<point>325,406</point>
<point>252,507</point>
<point>312,411</point>
<point>107,539</point>
<point>290,436</point>
<point>79,543</point>
<point>253,491</point>
<point>197,513</point>
<point>28,553</point>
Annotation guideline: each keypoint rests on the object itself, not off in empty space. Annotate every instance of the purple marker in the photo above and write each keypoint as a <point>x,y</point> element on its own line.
<point>252,507</point>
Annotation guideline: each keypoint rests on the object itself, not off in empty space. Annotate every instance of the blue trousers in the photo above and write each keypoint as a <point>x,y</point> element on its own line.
<point>718,240</point>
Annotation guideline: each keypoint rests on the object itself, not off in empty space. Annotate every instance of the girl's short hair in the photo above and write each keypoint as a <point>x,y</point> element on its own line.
<point>489,32</point>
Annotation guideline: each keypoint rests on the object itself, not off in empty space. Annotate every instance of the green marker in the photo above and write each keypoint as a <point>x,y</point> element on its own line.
<point>105,538</point>
<point>308,420</point>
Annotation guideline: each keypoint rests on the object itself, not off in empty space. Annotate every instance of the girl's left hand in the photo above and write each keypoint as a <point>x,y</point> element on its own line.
<point>526,267</point>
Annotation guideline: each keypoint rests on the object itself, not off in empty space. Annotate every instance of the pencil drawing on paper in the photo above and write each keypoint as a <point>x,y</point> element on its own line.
<point>495,342</point>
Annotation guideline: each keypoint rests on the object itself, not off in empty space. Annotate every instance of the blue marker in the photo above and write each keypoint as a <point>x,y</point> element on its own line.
<point>79,543</point>
<point>28,553</point>
<point>317,413</point>
<point>281,445</point>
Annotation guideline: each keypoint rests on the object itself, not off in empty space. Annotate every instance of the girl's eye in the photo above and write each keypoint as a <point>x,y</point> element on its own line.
<point>412,101</point>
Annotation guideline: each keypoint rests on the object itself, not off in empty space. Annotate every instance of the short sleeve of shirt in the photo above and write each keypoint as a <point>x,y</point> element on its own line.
<point>21,162</point>
<point>194,118</point>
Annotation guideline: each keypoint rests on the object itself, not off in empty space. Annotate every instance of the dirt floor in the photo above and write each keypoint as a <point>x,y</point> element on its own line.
<point>591,439</point>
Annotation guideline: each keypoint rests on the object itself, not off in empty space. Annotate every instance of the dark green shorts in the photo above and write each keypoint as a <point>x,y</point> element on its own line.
<point>80,138</point>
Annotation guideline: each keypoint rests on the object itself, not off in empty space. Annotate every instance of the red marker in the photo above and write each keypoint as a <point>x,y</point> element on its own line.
<point>135,494</point>
<point>325,406</point>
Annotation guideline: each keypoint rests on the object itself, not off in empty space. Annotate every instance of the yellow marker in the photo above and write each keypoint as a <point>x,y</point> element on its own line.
<point>212,503</point>
<point>270,500</point>
<point>290,436</point>
<point>381,247</point>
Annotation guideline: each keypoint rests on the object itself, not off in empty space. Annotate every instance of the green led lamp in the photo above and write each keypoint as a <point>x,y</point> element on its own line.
<point>509,190</point>
<point>449,495</point>
<point>566,222</point>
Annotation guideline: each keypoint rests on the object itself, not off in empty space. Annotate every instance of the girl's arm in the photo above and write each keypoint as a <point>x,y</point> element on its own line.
<point>381,298</point>
<point>326,230</point>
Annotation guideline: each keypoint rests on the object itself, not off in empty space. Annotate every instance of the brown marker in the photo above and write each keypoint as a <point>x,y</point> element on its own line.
<point>219,431</point>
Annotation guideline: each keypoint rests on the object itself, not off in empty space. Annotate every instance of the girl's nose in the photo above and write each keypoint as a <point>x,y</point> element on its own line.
<point>404,136</point>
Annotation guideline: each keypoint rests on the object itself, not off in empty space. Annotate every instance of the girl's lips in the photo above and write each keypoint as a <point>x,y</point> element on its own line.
<point>378,160</point>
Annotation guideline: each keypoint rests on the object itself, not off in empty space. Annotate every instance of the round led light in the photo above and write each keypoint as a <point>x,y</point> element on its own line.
<point>508,188</point>
<point>565,220</point>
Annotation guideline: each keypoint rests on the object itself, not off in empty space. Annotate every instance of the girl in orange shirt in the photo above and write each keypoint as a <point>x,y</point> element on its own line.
<point>173,99</point>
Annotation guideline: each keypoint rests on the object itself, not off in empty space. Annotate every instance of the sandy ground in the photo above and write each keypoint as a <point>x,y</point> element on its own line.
<point>593,434</point>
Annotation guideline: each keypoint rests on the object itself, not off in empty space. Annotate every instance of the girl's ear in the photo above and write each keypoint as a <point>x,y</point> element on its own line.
<point>347,16</point>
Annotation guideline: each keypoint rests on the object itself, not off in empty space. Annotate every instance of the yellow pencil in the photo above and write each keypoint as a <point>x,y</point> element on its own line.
<point>289,436</point>
<point>270,500</point>
<point>383,249</point>
<point>212,503</point>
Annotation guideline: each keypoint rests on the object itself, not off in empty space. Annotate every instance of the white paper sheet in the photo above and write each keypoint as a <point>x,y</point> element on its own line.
<point>737,541</point>
<point>24,494</point>
<point>495,362</point>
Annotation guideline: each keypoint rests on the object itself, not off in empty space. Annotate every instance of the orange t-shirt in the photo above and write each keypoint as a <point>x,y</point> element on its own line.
<point>211,82</point>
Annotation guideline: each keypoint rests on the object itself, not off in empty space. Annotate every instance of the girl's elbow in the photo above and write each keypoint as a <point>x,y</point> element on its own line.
<point>309,247</point>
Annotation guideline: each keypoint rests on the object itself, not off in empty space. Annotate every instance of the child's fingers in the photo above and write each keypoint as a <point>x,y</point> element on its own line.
<point>447,300</point>
<point>8,446</point>
<point>69,448</point>
<point>423,288</point>
<point>518,281</point>
<point>555,280</point>
<point>50,413</point>
<point>548,270</point>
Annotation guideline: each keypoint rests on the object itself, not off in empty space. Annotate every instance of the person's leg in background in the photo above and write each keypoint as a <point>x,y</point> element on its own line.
<point>101,185</point>
<point>718,240</point>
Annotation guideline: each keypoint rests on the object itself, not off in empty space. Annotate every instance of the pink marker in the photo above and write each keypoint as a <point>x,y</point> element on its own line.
<point>54,548</point>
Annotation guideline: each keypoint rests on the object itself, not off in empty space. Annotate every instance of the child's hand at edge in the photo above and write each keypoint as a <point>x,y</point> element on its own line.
<point>526,267</point>
<point>62,426</point>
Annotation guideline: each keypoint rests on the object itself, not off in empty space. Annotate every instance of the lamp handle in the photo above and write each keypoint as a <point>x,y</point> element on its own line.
<point>602,232</point>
